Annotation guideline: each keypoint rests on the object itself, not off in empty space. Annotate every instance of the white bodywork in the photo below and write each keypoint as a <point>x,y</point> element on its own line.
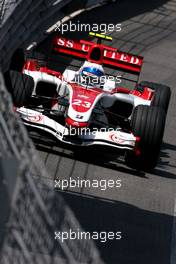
<point>115,138</point>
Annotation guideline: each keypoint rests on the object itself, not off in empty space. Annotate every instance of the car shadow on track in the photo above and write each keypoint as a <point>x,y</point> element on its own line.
<point>146,236</point>
<point>164,166</point>
<point>90,156</point>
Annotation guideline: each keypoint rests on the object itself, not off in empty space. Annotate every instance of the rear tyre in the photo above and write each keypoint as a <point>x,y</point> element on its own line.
<point>148,124</point>
<point>20,56</point>
<point>20,86</point>
<point>31,54</point>
<point>34,55</point>
<point>161,95</point>
<point>17,60</point>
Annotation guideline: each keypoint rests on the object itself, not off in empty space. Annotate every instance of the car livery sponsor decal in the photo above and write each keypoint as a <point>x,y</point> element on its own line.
<point>35,118</point>
<point>79,116</point>
<point>83,96</point>
<point>109,53</point>
<point>115,138</point>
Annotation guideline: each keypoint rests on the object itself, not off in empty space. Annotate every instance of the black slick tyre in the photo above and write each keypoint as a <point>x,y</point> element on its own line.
<point>20,86</point>
<point>148,124</point>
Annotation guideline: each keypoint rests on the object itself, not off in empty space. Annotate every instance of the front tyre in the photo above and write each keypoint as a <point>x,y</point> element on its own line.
<point>147,123</point>
<point>20,86</point>
<point>17,60</point>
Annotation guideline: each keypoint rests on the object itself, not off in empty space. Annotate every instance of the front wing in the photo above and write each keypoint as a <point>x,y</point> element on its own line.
<point>74,136</point>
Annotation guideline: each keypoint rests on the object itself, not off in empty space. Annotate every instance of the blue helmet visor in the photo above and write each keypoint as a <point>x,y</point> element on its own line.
<point>93,71</point>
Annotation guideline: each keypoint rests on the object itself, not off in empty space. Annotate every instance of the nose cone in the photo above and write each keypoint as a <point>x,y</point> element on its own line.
<point>82,98</point>
<point>72,123</point>
<point>82,102</point>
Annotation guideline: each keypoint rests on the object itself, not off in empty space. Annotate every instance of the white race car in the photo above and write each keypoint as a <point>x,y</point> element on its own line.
<point>86,107</point>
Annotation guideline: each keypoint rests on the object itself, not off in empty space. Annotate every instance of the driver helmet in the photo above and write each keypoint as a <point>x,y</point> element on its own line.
<point>91,75</point>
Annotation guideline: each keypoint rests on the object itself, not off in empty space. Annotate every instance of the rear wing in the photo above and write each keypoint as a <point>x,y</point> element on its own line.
<point>111,57</point>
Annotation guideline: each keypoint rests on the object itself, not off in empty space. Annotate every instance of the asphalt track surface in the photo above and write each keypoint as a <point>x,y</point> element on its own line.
<point>143,208</point>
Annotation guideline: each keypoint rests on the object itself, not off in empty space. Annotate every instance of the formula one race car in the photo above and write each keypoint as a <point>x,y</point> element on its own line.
<point>86,107</point>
